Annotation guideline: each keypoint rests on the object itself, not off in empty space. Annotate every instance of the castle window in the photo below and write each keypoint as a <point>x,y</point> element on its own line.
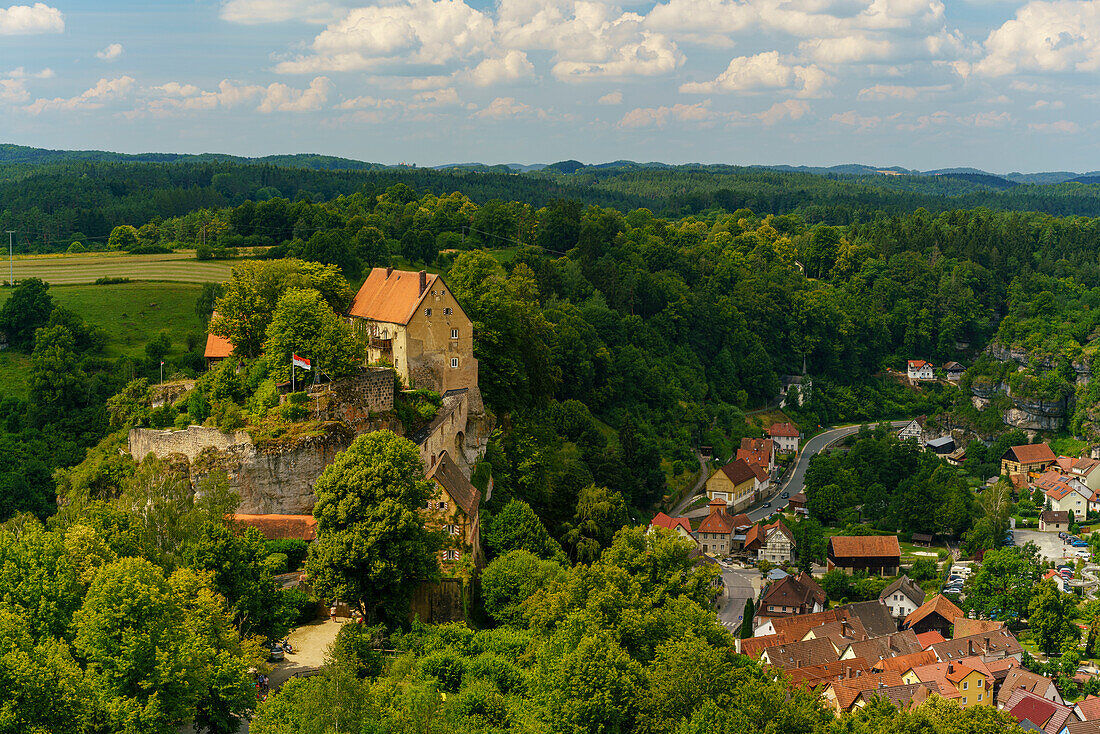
<point>454,362</point>
<point>443,505</point>
<point>452,529</point>
<point>454,333</point>
<point>448,311</point>
<point>427,312</point>
<point>451,555</point>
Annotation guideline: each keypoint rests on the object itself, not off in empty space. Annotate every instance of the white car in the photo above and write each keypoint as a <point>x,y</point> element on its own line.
<point>1083,553</point>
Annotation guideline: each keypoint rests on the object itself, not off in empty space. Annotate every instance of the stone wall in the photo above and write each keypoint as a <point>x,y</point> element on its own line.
<point>190,442</point>
<point>357,400</point>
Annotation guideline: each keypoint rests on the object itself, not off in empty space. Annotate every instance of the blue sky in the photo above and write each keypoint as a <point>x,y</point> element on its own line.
<point>996,84</point>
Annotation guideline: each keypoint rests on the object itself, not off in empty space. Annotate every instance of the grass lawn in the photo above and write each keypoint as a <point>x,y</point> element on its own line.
<point>130,313</point>
<point>15,368</point>
<point>179,266</point>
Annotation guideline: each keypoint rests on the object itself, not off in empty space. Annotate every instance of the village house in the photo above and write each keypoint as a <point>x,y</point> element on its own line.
<point>919,369</point>
<point>1088,709</point>
<point>773,543</point>
<point>878,555</point>
<point>679,525</point>
<point>914,429</point>
<point>844,694</point>
<point>794,389</point>
<point>454,508</point>
<point>1053,521</point>
<point>217,347</point>
<point>902,597</point>
<point>1056,578</point>
<point>735,484</point>
<point>797,504</point>
<point>791,596</point>
<point>965,685</point>
<point>937,614</point>
<point>759,451</point>
<point>786,436</point>
<point>875,649</point>
<point>1043,714</point>
<point>1065,494</point>
<point>954,371</point>
<point>989,646</point>
<point>1033,458</point>
<point>716,530</point>
<point>1088,471</point>
<point>412,321</point>
<point>1021,678</point>
<point>281,527</point>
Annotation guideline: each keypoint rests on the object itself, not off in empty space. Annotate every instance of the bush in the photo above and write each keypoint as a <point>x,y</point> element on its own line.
<point>293,548</point>
<point>298,398</point>
<point>275,563</point>
<point>298,607</point>
<point>163,417</point>
<point>183,420</point>
<point>503,673</point>
<point>358,648</point>
<point>110,281</point>
<point>75,248</point>
<point>227,416</point>
<point>292,412</point>
<point>445,667</point>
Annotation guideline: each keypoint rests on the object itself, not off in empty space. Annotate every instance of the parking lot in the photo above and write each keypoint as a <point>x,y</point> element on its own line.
<point>1051,547</point>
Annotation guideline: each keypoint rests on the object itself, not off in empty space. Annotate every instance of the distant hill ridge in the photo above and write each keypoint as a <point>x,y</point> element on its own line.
<point>19,154</point>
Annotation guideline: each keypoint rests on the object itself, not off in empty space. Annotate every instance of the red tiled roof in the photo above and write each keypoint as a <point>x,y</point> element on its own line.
<point>671,523</point>
<point>390,296</point>
<point>1065,463</point>
<point>902,663</point>
<point>754,646</point>
<point>916,364</point>
<point>1036,710</point>
<point>847,690</point>
<point>1032,453</point>
<point>936,605</point>
<point>965,627</point>
<point>929,638</point>
<point>1021,679</point>
<point>217,347</point>
<point>741,520</point>
<point>864,546</point>
<point>812,675</point>
<point>738,471</point>
<point>783,430</point>
<point>448,476</point>
<point>279,527</point>
<point>1090,708</point>
<point>717,521</point>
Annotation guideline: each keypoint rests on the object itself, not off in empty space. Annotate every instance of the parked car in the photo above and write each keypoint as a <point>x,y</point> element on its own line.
<point>767,505</point>
<point>275,652</point>
<point>1082,553</point>
<point>1080,544</point>
<point>785,495</point>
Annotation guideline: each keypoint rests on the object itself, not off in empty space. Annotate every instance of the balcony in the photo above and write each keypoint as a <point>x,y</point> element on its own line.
<point>386,345</point>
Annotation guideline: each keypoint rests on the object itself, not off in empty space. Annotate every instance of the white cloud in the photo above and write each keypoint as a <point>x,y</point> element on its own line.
<point>110,53</point>
<point>1055,36</point>
<point>13,91</point>
<point>175,89</point>
<point>503,108</point>
<point>413,31</point>
<point>173,97</point>
<point>853,119</point>
<point>1041,104</point>
<point>436,98</point>
<point>281,98</point>
<point>661,116</point>
<point>611,98</point>
<point>105,90</point>
<point>254,12</point>
<point>943,118</point>
<point>653,54</point>
<point>1061,126</point>
<point>792,109</point>
<point>762,71</point>
<point>880,92</point>
<point>509,67</point>
<point>21,20</point>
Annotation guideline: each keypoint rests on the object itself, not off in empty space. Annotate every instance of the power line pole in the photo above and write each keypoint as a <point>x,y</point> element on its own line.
<point>11,261</point>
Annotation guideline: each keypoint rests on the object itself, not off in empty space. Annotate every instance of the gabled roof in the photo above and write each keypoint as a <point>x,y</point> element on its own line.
<point>738,471</point>
<point>931,637</point>
<point>887,646</point>
<point>1031,453</point>
<point>874,616</point>
<point>447,474</point>
<point>847,690</point>
<point>907,694</point>
<point>1065,463</point>
<point>792,592</point>
<point>783,430</point>
<point>217,347</point>
<point>798,627</point>
<point>907,586</point>
<point>864,546</point>
<point>813,675</point>
<point>953,366</point>
<point>1047,714</point>
<point>802,653</point>
<point>902,663</point>
<point>281,527</point>
<point>936,605</point>
<point>1018,679</point>
<point>754,646</point>
<point>1089,708</point>
<point>964,626</point>
<point>741,520</point>
<point>1082,727</point>
<point>391,295</point>
<point>1055,516</point>
<point>946,676</point>
<point>997,641</point>
<point>916,364</point>
<point>1085,466</point>
<point>671,523</point>
<point>779,527</point>
<point>717,521</point>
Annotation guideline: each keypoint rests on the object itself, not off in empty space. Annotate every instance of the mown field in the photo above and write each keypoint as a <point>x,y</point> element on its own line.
<point>179,266</point>
<point>130,313</point>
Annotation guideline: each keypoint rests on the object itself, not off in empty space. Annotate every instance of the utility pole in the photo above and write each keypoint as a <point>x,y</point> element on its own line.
<point>11,261</point>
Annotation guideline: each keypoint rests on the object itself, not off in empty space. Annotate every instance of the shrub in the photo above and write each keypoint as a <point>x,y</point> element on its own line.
<point>163,417</point>
<point>298,607</point>
<point>293,548</point>
<point>275,563</point>
<point>75,248</point>
<point>358,648</point>
<point>503,674</point>
<point>227,416</point>
<point>110,281</point>
<point>292,412</point>
<point>445,667</point>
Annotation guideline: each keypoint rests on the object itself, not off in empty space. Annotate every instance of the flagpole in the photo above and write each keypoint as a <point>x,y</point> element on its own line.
<point>292,388</point>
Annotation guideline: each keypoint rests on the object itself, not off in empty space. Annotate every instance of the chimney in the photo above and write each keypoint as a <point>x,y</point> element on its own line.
<point>986,645</point>
<point>950,668</point>
<point>389,271</point>
<point>845,629</point>
<point>848,672</point>
<point>970,647</point>
<point>423,280</point>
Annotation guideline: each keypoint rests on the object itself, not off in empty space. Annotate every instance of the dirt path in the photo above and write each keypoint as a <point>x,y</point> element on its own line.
<point>310,643</point>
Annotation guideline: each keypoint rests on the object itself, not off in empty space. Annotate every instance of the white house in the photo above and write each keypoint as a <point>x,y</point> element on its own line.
<point>785,436</point>
<point>919,369</point>
<point>913,429</point>
<point>1065,493</point>
<point>902,597</point>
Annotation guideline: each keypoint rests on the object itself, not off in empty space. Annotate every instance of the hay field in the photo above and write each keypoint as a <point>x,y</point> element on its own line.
<point>179,266</point>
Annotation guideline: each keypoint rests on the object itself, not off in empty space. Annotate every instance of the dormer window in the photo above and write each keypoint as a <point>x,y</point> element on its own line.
<point>427,312</point>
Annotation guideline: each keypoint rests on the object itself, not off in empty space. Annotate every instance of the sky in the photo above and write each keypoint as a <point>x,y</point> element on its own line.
<point>1000,85</point>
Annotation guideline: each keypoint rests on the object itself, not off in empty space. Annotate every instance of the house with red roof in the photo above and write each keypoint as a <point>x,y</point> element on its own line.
<point>773,542</point>
<point>919,369</point>
<point>1030,459</point>
<point>679,525</point>
<point>413,321</point>
<point>966,685</point>
<point>791,596</point>
<point>878,555</point>
<point>217,347</point>
<point>736,484</point>
<point>1065,493</point>
<point>785,436</point>
<point>760,451</point>
<point>937,614</point>
<point>280,527</point>
<point>717,529</point>
<point>1048,715</point>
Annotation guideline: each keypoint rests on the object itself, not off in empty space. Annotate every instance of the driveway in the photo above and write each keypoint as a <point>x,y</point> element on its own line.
<point>1051,547</point>
<point>741,585</point>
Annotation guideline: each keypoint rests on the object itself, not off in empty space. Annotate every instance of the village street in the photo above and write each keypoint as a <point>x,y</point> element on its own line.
<point>740,586</point>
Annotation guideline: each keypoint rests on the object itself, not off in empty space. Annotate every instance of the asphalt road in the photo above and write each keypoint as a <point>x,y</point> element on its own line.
<point>796,480</point>
<point>738,590</point>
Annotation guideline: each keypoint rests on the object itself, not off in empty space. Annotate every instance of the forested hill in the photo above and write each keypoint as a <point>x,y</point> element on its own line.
<point>50,196</point>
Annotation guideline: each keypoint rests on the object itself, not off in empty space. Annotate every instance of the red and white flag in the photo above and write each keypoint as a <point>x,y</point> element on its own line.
<point>301,362</point>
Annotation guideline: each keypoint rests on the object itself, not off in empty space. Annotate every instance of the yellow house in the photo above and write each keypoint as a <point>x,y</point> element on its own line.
<point>968,686</point>
<point>413,321</point>
<point>1027,459</point>
<point>735,484</point>
<point>454,509</point>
